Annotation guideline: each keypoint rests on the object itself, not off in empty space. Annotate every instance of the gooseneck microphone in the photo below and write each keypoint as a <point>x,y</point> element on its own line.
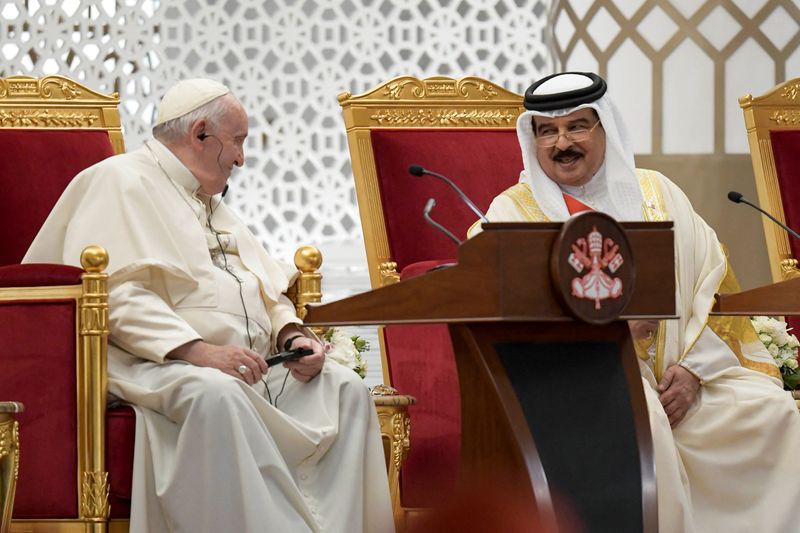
<point>427,214</point>
<point>738,198</point>
<point>417,170</point>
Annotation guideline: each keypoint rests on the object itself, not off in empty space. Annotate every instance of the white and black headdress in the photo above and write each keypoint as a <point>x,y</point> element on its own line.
<point>615,186</point>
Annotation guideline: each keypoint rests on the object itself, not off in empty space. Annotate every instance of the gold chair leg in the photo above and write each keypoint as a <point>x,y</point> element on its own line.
<point>9,460</point>
<point>396,435</point>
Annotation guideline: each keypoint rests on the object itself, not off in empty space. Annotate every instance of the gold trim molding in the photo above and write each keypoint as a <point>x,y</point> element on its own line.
<point>388,273</point>
<point>789,269</point>
<point>50,88</point>
<point>785,117</point>
<point>94,495</point>
<point>57,102</point>
<point>30,118</point>
<point>443,117</point>
<point>9,460</point>
<point>790,91</point>
<point>439,87</point>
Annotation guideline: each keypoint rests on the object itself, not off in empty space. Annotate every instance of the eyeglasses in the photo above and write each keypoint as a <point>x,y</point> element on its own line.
<point>575,136</point>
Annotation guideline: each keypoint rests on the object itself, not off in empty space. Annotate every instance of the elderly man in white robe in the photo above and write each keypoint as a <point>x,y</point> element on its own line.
<point>223,443</point>
<point>726,435</point>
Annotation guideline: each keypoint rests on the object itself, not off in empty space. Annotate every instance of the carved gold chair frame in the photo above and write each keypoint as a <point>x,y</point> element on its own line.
<point>91,302</point>
<point>777,109</point>
<point>407,102</point>
<point>57,102</point>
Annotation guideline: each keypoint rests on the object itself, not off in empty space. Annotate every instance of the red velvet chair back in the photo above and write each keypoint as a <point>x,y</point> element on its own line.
<point>464,129</point>
<point>482,163</point>
<point>42,165</point>
<point>786,151</point>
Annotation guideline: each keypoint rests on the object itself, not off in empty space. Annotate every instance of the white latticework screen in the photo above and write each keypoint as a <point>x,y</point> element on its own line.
<point>286,60</point>
<point>680,65</point>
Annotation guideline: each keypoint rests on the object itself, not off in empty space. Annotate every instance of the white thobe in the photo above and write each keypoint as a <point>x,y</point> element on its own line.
<point>212,453</point>
<point>731,463</point>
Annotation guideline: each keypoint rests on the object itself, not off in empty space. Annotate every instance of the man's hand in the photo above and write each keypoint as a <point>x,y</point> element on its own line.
<point>228,359</point>
<point>305,368</point>
<point>678,389</point>
<point>643,330</point>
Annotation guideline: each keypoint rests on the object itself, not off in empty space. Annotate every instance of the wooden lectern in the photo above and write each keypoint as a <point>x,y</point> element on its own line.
<point>551,404</point>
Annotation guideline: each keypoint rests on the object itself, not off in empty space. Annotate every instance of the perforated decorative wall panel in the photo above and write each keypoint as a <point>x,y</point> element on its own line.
<point>286,60</point>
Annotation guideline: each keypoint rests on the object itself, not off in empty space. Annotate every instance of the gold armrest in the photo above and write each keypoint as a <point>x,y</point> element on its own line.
<point>308,286</point>
<point>9,460</point>
<point>789,269</point>
<point>396,436</point>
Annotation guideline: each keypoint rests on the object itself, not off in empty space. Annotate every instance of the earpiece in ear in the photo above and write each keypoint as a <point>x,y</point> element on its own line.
<point>202,136</point>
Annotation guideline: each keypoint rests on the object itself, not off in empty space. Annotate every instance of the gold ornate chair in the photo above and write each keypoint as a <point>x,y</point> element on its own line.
<point>773,133</point>
<point>464,129</point>
<point>53,317</point>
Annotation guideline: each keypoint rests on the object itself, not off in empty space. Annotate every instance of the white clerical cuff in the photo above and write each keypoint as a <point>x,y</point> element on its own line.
<point>709,357</point>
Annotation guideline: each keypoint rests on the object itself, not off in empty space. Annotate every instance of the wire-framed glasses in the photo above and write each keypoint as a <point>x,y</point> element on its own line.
<point>575,136</point>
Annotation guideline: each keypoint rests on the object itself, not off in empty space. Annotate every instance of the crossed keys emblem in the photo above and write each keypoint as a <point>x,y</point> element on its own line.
<point>593,253</point>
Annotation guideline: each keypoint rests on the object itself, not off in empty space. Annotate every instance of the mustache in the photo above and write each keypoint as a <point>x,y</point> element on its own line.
<point>569,152</point>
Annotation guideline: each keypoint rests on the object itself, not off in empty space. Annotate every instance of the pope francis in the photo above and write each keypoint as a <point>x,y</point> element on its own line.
<point>223,443</point>
<point>726,436</point>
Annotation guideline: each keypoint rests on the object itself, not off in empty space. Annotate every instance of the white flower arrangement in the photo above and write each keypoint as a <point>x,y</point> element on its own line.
<point>346,350</point>
<point>781,345</point>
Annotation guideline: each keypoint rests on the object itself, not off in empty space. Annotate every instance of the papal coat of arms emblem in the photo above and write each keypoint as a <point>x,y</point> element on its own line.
<point>595,255</point>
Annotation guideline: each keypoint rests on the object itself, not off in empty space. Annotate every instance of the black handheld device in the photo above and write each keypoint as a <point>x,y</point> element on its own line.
<point>291,355</point>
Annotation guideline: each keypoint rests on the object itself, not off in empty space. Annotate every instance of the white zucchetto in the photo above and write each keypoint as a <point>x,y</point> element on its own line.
<point>186,96</point>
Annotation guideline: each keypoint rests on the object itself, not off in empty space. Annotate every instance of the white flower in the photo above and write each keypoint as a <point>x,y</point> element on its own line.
<point>773,349</point>
<point>780,344</point>
<point>346,350</point>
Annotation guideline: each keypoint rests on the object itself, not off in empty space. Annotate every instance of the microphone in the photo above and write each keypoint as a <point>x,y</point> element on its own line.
<point>225,190</point>
<point>417,170</point>
<point>738,198</point>
<point>427,214</point>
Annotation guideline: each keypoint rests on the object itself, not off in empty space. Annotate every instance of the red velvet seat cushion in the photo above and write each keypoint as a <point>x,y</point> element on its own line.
<point>43,162</point>
<point>420,358</point>
<point>120,436</point>
<point>423,365</point>
<point>39,275</point>
<point>37,355</point>
<point>786,149</point>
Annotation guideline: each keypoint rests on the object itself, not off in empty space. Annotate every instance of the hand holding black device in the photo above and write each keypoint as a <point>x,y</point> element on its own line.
<point>290,355</point>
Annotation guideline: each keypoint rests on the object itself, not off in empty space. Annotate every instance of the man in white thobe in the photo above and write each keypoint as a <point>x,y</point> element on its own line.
<point>223,443</point>
<point>726,435</point>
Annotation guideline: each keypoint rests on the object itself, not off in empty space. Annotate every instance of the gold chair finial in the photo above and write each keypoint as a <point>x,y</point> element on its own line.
<point>308,259</point>
<point>94,258</point>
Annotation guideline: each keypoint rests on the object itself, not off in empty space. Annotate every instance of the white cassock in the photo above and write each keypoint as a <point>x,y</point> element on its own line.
<point>213,453</point>
<point>734,456</point>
